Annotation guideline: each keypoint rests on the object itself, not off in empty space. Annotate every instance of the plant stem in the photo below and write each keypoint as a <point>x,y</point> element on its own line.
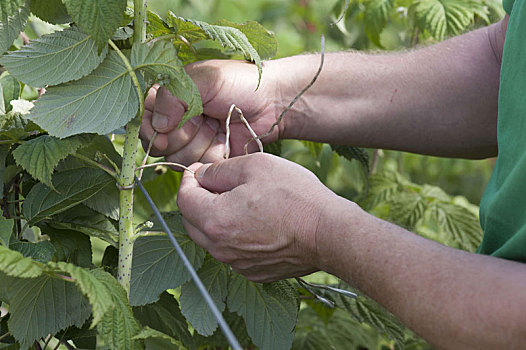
<point>139,21</point>
<point>126,179</point>
<point>7,142</point>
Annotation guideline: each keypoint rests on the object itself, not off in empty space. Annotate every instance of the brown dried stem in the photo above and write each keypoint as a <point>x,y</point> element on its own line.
<point>295,98</point>
<point>244,121</point>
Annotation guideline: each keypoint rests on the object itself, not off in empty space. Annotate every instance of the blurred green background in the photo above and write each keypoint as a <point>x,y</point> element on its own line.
<point>298,25</point>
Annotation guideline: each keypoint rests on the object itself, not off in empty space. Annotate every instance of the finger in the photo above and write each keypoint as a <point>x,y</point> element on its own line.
<point>240,136</point>
<point>216,150</point>
<point>227,174</point>
<point>196,235</point>
<point>146,131</point>
<point>149,102</point>
<point>168,111</point>
<point>160,144</point>
<point>196,148</point>
<point>193,200</point>
<point>180,137</point>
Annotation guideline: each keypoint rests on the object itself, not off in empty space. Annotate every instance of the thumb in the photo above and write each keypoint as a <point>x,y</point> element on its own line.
<point>224,175</point>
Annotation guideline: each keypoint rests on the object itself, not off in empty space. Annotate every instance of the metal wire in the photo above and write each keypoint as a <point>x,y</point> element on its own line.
<point>208,299</point>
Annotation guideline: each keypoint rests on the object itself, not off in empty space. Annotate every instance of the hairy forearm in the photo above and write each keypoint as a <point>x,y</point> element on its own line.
<point>453,299</point>
<point>439,100</point>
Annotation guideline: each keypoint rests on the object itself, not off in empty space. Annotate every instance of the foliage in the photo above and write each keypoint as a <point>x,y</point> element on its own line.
<point>60,206</point>
<point>426,210</point>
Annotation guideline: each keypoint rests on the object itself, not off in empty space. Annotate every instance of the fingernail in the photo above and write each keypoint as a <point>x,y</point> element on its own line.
<point>197,120</point>
<point>159,121</point>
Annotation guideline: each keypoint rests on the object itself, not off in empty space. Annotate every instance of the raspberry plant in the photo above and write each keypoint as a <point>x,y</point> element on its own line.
<point>59,170</point>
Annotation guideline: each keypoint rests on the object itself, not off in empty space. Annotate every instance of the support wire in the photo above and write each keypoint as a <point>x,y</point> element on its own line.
<point>208,299</point>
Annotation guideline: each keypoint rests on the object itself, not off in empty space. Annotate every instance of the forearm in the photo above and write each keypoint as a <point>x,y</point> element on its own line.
<point>439,100</point>
<point>453,299</point>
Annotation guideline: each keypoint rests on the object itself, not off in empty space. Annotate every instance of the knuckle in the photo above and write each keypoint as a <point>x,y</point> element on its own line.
<point>261,160</point>
<point>223,257</point>
<point>213,230</point>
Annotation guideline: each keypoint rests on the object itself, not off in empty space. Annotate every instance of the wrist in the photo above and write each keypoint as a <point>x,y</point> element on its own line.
<point>339,222</point>
<point>288,79</point>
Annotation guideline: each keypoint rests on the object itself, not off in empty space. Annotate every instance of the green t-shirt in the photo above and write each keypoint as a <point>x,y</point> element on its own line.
<point>503,206</point>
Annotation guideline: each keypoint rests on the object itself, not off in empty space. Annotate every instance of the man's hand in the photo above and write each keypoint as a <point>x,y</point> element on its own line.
<point>221,84</point>
<point>258,213</point>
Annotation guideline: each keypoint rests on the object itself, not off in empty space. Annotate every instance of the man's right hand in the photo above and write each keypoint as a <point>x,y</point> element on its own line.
<point>221,84</point>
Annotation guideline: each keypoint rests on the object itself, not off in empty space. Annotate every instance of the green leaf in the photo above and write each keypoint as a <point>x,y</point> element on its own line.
<point>356,153</point>
<point>261,39</point>
<point>71,246</point>
<point>40,251</point>
<point>94,284</point>
<point>118,327</point>
<point>165,316</point>
<point>41,155</point>
<point>311,339</point>
<point>106,201</point>
<point>228,37</point>
<point>460,224</point>
<point>160,63</point>
<point>83,219</point>
<point>98,149</point>
<point>14,126</point>
<point>83,338</point>
<point>442,18</point>
<point>383,187</point>
<point>73,186</point>
<point>368,311</point>
<point>270,310</point>
<point>52,11</point>
<point>340,331</point>
<point>156,264</point>
<point>10,7</point>
<point>55,58</point>
<point>100,18</point>
<point>315,148</point>
<point>10,27</point>
<point>156,25</point>
<point>153,340</point>
<point>406,209</point>
<point>43,305</point>
<point>6,229</point>
<point>214,276</point>
<point>122,33</point>
<point>103,101</point>
<point>9,90</point>
<point>13,263</point>
<point>365,310</point>
<point>218,339</point>
<point>273,148</point>
<point>167,182</point>
<point>376,15</point>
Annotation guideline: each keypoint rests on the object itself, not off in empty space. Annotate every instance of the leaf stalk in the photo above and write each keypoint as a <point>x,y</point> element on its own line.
<point>110,171</point>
